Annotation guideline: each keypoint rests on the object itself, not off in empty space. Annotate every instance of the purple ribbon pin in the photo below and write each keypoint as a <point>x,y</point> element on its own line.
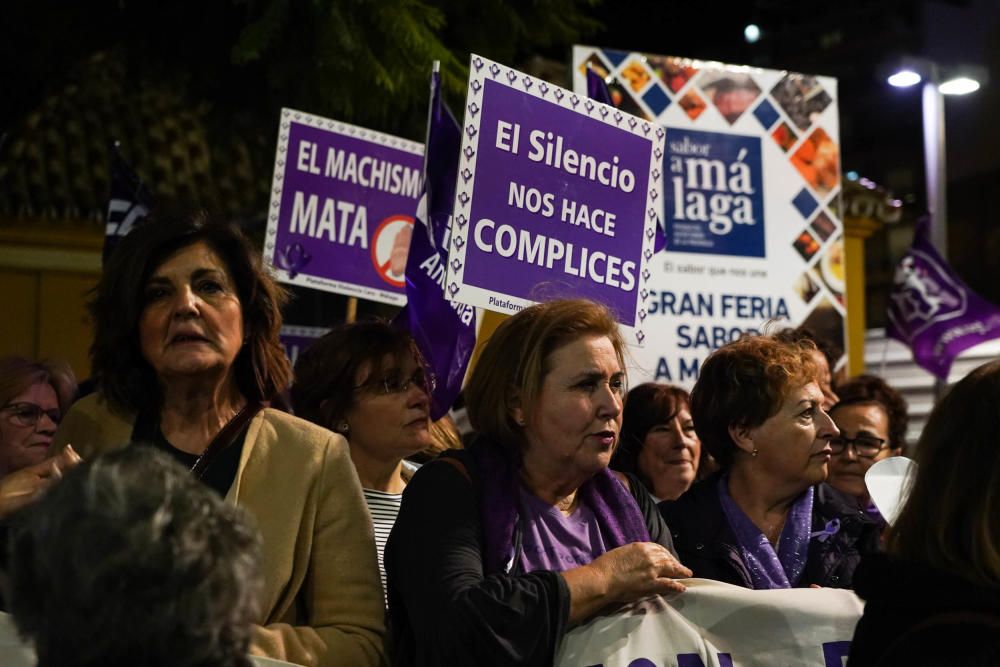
<point>831,528</point>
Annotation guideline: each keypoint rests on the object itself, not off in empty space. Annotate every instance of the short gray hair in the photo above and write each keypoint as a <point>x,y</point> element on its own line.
<point>130,560</point>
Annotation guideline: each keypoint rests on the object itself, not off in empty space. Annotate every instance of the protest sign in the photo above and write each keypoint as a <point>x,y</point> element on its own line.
<point>342,204</point>
<point>297,338</point>
<point>750,206</point>
<point>556,197</point>
<point>714,624</point>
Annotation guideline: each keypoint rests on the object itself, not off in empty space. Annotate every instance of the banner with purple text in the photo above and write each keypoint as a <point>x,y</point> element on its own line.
<point>342,204</point>
<point>713,624</point>
<point>556,197</point>
<point>750,208</point>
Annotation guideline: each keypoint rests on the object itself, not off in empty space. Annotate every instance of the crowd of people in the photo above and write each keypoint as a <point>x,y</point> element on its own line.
<point>175,516</point>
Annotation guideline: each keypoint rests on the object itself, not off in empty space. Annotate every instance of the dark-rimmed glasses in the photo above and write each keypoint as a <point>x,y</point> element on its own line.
<point>394,382</point>
<point>29,414</point>
<point>865,446</point>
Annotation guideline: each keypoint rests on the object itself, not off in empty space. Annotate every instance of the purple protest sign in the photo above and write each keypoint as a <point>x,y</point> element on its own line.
<point>933,311</point>
<point>342,204</point>
<point>555,198</point>
<point>297,338</point>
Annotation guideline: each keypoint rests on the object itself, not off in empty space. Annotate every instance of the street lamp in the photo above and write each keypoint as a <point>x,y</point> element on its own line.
<point>938,82</point>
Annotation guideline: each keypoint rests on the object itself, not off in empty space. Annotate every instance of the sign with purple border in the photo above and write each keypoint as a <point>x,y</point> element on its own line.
<point>296,338</point>
<point>342,204</point>
<point>557,196</point>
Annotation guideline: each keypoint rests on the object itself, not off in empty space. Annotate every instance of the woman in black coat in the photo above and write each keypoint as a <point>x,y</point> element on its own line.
<point>766,520</point>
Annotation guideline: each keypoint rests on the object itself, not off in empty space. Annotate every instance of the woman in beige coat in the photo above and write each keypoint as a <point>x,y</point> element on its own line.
<point>187,353</point>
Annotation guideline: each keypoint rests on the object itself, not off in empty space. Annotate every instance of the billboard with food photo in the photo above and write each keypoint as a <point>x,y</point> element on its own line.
<point>750,207</point>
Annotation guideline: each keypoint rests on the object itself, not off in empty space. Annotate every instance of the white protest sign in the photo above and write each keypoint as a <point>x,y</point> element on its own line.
<point>888,484</point>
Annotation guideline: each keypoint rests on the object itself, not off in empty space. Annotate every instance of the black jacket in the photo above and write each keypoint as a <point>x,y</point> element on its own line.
<point>707,545</point>
<point>915,616</point>
<point>443,608</point>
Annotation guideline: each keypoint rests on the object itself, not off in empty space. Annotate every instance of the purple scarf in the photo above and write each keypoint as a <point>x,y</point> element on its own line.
<point>768,569</point>
<point>616,511</point>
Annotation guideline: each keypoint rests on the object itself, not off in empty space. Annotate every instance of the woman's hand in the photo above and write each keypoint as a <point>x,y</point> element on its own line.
<point>22,487</point>
<point>638,570</point>
<point>622,575</point>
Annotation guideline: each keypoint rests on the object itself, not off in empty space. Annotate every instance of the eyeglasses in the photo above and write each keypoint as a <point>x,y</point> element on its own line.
<point>395,383</point>
<point>29,414</point>
<point>865,446</point>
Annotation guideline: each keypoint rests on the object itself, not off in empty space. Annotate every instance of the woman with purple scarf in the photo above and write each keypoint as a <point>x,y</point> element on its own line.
<point>500,548</point>
<point>766,519</point>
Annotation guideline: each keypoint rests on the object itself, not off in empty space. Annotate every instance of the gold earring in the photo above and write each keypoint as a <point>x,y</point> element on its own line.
<point>754,452</point>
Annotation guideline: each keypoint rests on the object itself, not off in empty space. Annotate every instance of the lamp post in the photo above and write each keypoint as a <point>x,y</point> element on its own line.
<point>938,82</point>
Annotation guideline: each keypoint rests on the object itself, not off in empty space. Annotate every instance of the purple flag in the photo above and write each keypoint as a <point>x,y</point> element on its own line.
<point>444,331</point>
<point>128,205</point>
<point>933,311</point>
<point>597,90</point>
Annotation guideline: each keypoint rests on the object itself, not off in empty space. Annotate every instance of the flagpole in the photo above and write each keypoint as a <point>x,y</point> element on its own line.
<point>352,309</point>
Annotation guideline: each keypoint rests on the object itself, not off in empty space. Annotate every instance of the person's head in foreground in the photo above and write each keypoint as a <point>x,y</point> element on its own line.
<point>758,409</point>
<point>129,560</point>
<point>658,441</point>
<point>947,537</point>
<point>872,419</point>
<point>33,397</point>
<point>495,544</point>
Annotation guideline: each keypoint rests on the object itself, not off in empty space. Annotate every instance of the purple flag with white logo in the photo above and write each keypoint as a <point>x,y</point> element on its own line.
<point>128,205</point>
<point>933,311</point>
<point>597,90</point>
<point>444,331</point>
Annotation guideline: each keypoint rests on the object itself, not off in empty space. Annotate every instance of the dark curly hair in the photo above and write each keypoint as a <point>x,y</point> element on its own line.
<point>130,560</point>
<point>125,378</point>
<point>744,383</point>
<point>872,389</point>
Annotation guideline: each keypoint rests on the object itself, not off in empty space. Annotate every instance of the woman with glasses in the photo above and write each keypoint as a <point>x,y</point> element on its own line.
<point>501,548</point>
<point>871,417</point>
<point>187,356</point>
<point>766,520</point>
<point>366,381</point>
<point>33,398</point>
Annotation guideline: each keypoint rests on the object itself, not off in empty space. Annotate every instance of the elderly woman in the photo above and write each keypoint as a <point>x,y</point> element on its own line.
<point>366,381</point>
<point>131,560</point>
<point>33,397</point>
<point>766,520</point>
<point>824,354</point>
<point>871,417</point>
<point>498,549</point>
<point>187,354</point>
<point>947,535</point>
<point>658,441</point>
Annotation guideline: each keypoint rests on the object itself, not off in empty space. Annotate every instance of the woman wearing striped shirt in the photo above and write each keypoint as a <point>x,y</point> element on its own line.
<point>365,380</point>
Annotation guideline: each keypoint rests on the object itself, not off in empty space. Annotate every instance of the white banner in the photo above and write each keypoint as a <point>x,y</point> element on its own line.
<point>714,624</point>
